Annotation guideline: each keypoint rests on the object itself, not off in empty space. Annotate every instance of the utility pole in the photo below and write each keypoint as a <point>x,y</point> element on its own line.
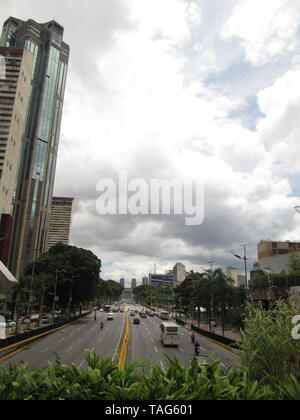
<point>245,263</point>
<point>211,264</point>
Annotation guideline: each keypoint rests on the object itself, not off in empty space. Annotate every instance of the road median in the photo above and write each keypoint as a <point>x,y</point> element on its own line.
<point>124,344</point>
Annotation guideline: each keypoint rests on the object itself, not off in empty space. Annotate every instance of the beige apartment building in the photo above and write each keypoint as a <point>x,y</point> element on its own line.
<point>15,80</point>
<point>275,255</point>
<point>60,221</point>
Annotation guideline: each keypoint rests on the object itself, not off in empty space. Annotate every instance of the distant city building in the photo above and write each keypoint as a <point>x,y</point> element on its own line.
<point>133,283</point>
<point>122,282</point>
<point>276,255</point>
<point>179,273</point>
<point>241,280</point>
<point>60,221</point>
<point>158,280</point>
<point>145,281</point>
<point>41,133</point>
<point>232,274</point>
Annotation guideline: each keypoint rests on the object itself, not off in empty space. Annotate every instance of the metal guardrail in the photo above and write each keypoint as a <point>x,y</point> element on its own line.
<point>216,337</point>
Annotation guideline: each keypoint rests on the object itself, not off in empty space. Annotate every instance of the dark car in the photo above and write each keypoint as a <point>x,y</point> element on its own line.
<point>136,321</point>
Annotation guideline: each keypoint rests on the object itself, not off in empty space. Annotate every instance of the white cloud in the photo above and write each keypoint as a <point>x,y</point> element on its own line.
<point>266,28</point>
<point>136,100</point>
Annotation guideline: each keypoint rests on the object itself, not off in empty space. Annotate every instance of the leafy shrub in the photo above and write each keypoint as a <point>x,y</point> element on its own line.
<point>103,381</point>
<point>269,352</point>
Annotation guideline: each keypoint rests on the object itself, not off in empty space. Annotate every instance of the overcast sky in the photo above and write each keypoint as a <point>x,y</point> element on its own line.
<point>176,89</point>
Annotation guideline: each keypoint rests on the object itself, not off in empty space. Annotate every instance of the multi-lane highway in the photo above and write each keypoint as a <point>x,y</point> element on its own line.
<point>70,343</point>
<point>145,344</point>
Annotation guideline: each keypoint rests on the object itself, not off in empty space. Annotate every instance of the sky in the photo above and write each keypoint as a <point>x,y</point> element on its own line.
<point>179,89</point>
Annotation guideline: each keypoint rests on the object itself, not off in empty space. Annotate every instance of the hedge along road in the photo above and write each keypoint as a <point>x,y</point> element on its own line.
<point>69,344</point>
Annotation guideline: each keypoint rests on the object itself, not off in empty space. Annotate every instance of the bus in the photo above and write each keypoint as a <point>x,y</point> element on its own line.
<point>106,308</point>
<point>169,334</point>
<point>164,315</point>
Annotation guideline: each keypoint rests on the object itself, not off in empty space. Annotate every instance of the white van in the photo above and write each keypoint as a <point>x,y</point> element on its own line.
<point>164,315</point>
<point>169,334</point>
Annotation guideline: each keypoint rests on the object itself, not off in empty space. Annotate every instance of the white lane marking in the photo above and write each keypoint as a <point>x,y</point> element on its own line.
<point>181,349</point>
<point>156,349</point>
<point>80,340</point>
<point>202,348</point>
<point>93,349</point>
<point>81,364</point>
<point>162,365</point>
<point>99,339</point>
<point>152,340</point>
<point>69,349</point>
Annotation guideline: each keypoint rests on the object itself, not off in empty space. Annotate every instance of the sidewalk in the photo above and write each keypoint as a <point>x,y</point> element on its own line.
<point>232,335</point>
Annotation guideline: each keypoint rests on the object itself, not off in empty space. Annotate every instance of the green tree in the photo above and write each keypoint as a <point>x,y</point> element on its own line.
<point>294,263</point>
<point>77,271</point>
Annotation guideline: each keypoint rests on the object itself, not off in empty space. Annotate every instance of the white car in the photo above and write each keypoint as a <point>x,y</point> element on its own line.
<point>110,316</point>
<point>10,324</point>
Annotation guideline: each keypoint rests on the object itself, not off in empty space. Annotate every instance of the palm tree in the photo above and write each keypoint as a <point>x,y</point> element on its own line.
<point>221,291</point>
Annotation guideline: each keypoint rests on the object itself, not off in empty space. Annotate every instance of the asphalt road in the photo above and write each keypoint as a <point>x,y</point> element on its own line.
<point>146,345</point>
<point>70,343</point>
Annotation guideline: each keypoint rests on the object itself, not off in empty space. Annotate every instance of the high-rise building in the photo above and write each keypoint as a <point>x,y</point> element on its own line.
<point>16,67</point>
<point>15,82</point>
<point>34,190</point>
<point>60,221</point>
<point>232,274</point>
<point>133,283</point>
<point>145,280</point>
<point>179,273</point>
<point>122,282</point>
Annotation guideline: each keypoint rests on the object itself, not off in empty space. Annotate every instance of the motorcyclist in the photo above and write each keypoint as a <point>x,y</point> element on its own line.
<point>197,348</point>
<point>101,325</point>
<point>193,337</point>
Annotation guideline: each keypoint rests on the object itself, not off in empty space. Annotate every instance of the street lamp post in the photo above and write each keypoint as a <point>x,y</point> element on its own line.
<point>31,285</point>
<point>55,290</point>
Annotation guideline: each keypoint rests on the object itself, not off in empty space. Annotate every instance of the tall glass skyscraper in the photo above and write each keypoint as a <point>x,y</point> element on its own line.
<point>35,181</point>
